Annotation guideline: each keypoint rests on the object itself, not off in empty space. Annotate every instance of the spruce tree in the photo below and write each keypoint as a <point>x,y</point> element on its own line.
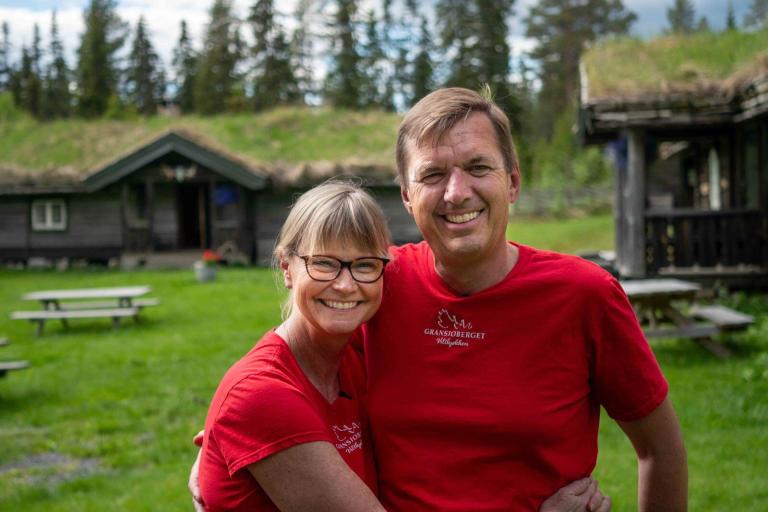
<point>757,16</point>
<point>458,29</point>
<point>342,83</point>
<point>274,81</point>
<point>730,18</point>
<point>6,71</point>
<point>184,70</point>
<point>57,99</point>
<point>302,49</point>
<point>422,81</point>
<point>143,74</point>
<point>97,72</point>
<point>681,17</point>
<point>562,29</point>
<point>28,88</point>
<point>216,79</point>
<point>372,78</point>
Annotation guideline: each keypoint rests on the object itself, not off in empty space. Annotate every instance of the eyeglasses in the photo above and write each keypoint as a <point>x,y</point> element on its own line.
<point>327,268</point>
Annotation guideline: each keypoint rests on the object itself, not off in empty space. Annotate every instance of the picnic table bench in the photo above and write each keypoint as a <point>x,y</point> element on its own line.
<point>115,303</point>
<point>654,301</point>
<point>9,366</point>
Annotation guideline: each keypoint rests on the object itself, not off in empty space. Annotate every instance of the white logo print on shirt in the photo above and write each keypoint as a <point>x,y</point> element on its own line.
<point>453,330</point>
<point>349,437</point>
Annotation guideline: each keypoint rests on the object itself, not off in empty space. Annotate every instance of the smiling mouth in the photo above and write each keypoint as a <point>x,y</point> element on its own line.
<point>462,218</point>
<point>339,304</point>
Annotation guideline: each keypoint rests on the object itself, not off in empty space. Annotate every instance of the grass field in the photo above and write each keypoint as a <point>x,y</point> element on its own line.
<point>103,418</point>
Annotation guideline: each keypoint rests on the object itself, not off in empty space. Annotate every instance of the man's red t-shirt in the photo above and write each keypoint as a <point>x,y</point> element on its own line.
<point>265,404</point>
<point>491,402</point>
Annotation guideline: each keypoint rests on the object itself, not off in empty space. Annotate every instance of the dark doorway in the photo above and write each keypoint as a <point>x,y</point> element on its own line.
<point>193,210</point>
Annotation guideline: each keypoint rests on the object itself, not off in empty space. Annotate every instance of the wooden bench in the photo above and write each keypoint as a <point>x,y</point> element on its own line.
<point>40,317</point>
<point>726,319</point>
<point>137,303</point>
<point>9,366</point>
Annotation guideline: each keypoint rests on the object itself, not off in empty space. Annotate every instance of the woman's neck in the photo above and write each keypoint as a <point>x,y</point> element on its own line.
<point>318,356</point>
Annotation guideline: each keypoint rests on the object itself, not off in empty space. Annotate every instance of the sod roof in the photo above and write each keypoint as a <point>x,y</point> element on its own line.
<point>706,66</point>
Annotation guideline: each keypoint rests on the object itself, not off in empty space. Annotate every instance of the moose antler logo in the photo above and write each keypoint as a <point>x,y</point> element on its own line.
<point>448,321</point>
<point>344,431</point>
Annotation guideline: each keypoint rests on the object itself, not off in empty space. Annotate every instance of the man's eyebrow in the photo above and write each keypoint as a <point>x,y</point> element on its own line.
<point>480,159</point>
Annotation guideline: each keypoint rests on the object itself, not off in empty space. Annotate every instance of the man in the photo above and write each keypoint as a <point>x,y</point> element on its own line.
<point>488,361</point>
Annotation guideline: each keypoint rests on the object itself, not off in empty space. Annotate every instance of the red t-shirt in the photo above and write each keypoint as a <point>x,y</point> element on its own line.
<point>491,402</point>
<point>265,404</point>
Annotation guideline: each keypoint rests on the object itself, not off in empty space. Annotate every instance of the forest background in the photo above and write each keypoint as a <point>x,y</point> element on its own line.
<point>345,54</point>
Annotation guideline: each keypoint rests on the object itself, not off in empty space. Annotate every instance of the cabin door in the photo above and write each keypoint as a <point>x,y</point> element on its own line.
<point>193,215</point>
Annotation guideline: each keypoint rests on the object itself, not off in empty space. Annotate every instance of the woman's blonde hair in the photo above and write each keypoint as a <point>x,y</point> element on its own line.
<point>337,212</point>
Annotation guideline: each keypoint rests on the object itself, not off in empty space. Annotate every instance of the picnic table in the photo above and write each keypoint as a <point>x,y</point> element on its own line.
<point>667,309</point>
<point>115,303</point>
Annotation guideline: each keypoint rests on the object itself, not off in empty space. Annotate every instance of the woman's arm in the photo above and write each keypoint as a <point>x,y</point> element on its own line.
<point>312,477</point>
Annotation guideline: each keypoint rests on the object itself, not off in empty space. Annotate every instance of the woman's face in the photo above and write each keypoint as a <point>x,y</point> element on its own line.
<point>335,307</point>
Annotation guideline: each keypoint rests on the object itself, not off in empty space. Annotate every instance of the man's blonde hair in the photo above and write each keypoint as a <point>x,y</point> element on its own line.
<point>436,113</point>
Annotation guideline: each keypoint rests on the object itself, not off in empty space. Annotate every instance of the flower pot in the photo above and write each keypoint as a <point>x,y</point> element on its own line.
<point>204,272</point>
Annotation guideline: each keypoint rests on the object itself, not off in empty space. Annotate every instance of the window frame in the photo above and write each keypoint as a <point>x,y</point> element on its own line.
<point>48,225</point>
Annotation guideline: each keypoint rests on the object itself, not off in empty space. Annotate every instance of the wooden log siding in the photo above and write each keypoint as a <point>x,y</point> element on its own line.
<point>687,238</point>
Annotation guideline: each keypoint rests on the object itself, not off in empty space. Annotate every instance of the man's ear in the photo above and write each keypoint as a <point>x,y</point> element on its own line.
<point>514,185</point>
<point>286,269</point>
<point>406,199</point>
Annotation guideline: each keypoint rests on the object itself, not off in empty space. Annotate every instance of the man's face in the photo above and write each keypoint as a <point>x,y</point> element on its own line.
<point>458,191</point>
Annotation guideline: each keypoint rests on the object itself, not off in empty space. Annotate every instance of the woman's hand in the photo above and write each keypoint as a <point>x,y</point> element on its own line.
<point>194,483</point>
<point>579,496</point>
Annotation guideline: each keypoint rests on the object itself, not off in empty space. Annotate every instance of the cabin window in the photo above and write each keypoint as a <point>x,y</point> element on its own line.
<point>49,215</point>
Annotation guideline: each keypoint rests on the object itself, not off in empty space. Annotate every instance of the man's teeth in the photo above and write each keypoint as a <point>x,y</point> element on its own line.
<point>464,217</point>
<point>337,304</point>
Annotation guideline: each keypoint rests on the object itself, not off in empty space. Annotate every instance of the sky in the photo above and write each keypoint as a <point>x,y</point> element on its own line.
<point>163,18</point>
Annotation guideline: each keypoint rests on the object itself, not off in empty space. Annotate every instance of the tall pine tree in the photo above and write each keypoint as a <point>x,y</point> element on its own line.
<point>27,87</point>
<point>144,81</point>
<point>216,78</point>
<point>373,76</point>
<point>57,100</point>
<point>681,17</point>
<point>97,71</point>
<point>274,81</point>
<point>730,17</point>
<point>184,71</point>
<point>561,29</point>
<point>342,82</point>
<point>422,76</point>
<point>6,70</point>
<point>757,16</point>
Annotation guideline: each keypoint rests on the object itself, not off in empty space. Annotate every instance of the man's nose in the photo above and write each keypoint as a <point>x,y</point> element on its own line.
<point>458,188</point>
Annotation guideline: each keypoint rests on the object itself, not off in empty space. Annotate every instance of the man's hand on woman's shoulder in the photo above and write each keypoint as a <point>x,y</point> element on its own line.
<point>580,496</point>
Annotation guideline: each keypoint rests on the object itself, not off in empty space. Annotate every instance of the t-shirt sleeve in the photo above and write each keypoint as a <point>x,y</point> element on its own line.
<point>626,377</point>
<point>261,417</point>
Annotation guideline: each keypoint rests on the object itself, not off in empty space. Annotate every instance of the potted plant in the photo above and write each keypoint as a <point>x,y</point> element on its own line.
<point>205,268</point>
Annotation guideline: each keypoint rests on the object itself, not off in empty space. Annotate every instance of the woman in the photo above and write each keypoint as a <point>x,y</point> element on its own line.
<point>285,425</point>
<point>285,429</point>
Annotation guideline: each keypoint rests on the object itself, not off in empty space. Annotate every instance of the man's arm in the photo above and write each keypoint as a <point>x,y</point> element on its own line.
<point>662,461</point>
<point>313,477</point>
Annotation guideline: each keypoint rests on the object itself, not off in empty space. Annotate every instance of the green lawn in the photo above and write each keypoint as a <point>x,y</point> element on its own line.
<point>571,235</point>
<point>103,419</point>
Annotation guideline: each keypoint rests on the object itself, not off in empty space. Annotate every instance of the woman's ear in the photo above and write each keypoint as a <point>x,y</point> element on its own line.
<point>286,268</point>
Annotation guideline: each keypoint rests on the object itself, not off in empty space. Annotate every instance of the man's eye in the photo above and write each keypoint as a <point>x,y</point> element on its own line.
<point>480,169</point>
<point>431,177</point>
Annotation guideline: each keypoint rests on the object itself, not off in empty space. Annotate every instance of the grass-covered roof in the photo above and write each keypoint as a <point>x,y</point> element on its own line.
<point>281,140</point>
<point>701,65</point>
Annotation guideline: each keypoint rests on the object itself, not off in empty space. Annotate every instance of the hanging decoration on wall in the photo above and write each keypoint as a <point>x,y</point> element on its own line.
<point>179,172</point>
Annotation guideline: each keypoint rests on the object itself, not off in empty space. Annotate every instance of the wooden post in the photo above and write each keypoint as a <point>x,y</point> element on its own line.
<point>632,190</point>
<point>150,193</point>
